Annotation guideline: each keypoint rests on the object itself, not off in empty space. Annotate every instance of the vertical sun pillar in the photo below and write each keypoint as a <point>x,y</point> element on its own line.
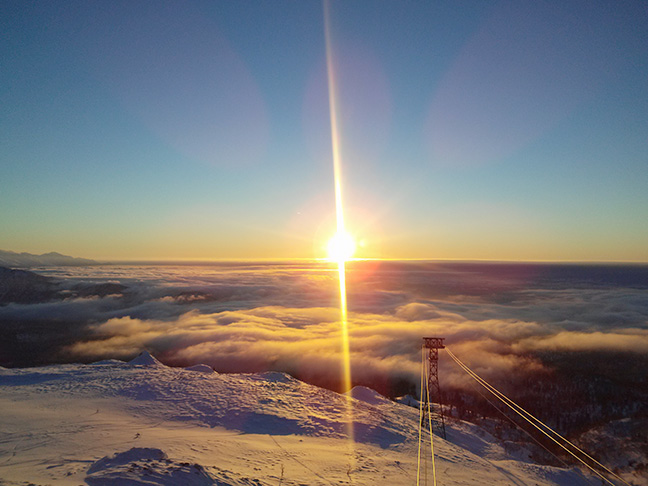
<point>341,235</point>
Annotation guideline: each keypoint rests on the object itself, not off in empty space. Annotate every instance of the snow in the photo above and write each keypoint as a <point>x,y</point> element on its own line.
<point>132,466</point>
<point>109,362</point>
<point>203,368</point>
<point>112,424</point>
<point>367,395</point>
<point>145,359</point>
<point>408,400</point>
<point>618,442</point>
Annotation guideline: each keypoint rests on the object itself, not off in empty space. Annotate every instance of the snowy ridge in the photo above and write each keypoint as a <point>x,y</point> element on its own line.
<point>367,395</point>
<point>145,359</point>
<point>203,368</point>
<point>113,424</point>
<point>153,464</point>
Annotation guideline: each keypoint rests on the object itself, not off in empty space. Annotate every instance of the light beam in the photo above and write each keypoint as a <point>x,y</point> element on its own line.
<point>341,247</point>
<point>339,210</point>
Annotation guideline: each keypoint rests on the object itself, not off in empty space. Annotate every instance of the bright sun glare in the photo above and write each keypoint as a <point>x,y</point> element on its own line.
<point>341,247</point>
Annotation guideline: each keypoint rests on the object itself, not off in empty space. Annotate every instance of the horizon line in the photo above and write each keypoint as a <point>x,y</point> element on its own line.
<point>356,260</point>
<point>205,260</point>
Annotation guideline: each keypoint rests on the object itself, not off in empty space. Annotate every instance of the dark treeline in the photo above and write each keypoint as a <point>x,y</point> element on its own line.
<point>580,391</point>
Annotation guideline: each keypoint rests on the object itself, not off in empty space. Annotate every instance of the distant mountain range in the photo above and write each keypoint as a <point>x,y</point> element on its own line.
<point>24,287</point>
<point>27,260</point>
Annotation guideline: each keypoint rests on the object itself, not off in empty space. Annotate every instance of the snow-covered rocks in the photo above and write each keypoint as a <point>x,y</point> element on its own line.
<point>275,376</point>
<point>408,400</point>
<point>201,368</point>
<point>109,362</point>
<point>146,466</point>
<point>145,359</point>
<point>368,395</point>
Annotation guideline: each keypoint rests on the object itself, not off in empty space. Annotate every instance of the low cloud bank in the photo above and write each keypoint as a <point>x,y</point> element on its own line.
<point>502,320</point>
<point>384,348</point>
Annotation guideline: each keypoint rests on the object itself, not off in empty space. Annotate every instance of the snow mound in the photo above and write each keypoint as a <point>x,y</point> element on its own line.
<point>146,466</point>
<point>134,454</point>
<point>275,376</point>
<point>108,362</point>
<point>203,368</point>
<point>145,359</point>
<point>367,395</point>
<point>408,400</point>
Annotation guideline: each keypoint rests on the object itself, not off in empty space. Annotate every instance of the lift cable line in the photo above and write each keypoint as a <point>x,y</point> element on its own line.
<point>538,424</point>
<point>513,422</point>
<point>422,415</point>
<point>420,421</point>
<point>429,414</point>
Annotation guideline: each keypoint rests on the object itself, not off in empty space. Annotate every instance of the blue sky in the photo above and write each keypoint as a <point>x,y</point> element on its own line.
<point>480,130</point>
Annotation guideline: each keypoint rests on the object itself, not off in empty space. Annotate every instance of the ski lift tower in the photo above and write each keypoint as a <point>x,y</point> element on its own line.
<point>433,344</point>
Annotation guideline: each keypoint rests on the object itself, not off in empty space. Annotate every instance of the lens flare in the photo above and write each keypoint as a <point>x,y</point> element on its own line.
<point>341,246</point>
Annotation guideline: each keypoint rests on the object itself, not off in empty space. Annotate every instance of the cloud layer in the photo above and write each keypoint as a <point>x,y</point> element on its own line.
<point>501,320</point>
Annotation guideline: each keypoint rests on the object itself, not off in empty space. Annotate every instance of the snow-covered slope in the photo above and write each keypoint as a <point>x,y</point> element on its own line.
<point>115,423</point>
<point>145,359</point>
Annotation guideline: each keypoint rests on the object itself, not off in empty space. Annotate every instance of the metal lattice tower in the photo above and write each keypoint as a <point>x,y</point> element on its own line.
<point>433,344</point>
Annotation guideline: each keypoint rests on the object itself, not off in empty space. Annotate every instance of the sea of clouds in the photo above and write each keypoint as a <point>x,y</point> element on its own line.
<point>501,319</point>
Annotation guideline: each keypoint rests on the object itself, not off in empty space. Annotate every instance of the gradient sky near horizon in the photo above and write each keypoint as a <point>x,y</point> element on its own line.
<point>506,130</point>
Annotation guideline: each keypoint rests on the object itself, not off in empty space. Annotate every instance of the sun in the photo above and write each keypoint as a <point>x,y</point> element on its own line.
<point>341,247</point>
